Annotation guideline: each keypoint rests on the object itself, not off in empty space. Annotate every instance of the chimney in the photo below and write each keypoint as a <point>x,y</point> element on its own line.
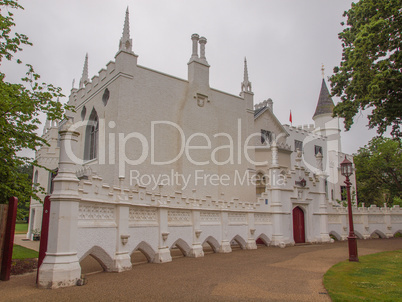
<point>270,105</point>
<point>198,68</point>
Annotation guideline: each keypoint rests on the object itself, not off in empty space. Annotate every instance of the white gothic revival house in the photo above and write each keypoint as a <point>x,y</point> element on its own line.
<point>149,161</point>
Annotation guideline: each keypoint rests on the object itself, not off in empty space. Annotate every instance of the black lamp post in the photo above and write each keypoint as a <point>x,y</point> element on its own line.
<point>347,170</point>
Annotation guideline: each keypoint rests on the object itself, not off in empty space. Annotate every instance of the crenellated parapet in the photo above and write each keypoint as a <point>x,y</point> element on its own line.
<point>305,129</point>
<point>91,87</point>
<point>264,104</point>
<point>94,189</point>
<point>368,222</point>
<point>284,146</point>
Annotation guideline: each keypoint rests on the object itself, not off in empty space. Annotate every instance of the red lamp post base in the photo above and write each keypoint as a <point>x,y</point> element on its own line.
<point>352,242</point>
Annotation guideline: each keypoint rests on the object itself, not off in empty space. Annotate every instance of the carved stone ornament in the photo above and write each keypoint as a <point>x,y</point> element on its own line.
<point>165,235</point>
<point>201,99</point>
<point>124,239</point>
<point>198,233</point>
<point>252,231</point>
<point>299,194</point>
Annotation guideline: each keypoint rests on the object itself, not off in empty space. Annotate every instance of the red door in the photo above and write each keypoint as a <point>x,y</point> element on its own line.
<point>298,225</point>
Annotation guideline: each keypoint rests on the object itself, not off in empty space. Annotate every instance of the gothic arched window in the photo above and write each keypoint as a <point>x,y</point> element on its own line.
<point>92,137</point>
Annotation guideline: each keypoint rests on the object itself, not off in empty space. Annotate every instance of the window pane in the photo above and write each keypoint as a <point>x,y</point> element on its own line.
<point>298,145</point>
<point>317,149</point>
<point>266,136</point>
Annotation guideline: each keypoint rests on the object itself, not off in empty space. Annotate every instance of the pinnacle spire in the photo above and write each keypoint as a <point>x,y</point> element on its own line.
<point>84,78</point>
<point>245,70</point>
<point>246,84</point>
<point>325,105</point>
<point>126,44</point>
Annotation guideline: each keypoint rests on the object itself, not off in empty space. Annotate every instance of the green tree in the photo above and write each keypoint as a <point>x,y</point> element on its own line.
<point>369,76</point>
<point>20,106</point>
<point>379,171</point>
<point>25,199</point>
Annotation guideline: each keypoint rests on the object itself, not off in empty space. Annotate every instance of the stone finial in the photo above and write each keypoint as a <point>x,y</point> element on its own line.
<point>126,44</point>
<point>202,42</point>
<point>246,84</point>
<point>84,78</point>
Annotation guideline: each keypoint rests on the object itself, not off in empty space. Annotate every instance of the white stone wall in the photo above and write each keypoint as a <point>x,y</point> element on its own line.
<point>139,97</point>
<point>218,221</point>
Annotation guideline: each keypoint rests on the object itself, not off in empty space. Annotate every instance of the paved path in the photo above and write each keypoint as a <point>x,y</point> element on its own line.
<point>266,274</point>
<point>20,239</point>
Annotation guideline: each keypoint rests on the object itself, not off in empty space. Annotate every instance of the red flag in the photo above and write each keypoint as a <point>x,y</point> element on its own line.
<point>290,116</point>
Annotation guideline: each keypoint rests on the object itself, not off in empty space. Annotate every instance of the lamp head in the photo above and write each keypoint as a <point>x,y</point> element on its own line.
<point>346,167</point>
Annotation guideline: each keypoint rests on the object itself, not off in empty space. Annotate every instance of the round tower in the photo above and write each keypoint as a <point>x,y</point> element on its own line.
<point>325,124</point>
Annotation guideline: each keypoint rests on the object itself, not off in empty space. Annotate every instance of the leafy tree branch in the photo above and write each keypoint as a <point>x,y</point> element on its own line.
<point>369,75</point>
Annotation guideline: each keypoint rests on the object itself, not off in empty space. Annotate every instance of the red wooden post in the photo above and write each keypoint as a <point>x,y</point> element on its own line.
<point>44,233</point>
<point>9,239</point>
<point>352,237</point>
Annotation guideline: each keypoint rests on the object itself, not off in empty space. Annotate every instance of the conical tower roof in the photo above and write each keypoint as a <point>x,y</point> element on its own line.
<point>325,104</point>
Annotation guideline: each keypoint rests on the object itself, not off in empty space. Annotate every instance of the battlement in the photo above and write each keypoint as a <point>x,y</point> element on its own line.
<point>264,104</point>
<point>93,189</point>
<point>284,146</point>
<point>372,209</point>
<point>306,130</point>
<point>90,87</point>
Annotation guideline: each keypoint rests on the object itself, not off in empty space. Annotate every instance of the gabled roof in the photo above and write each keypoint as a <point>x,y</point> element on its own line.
<point>325,105</point>
<point>260,111</point>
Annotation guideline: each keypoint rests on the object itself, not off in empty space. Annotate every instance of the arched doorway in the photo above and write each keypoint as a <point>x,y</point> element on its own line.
<point>298,225</point>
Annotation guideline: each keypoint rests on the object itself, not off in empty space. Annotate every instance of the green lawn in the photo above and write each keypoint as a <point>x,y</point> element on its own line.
<point>377,277</point>
<point>20,252</point>
<point>21,228</point>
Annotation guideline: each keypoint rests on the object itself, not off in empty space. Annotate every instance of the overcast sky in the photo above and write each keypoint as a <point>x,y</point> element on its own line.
<point>285,43</point>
